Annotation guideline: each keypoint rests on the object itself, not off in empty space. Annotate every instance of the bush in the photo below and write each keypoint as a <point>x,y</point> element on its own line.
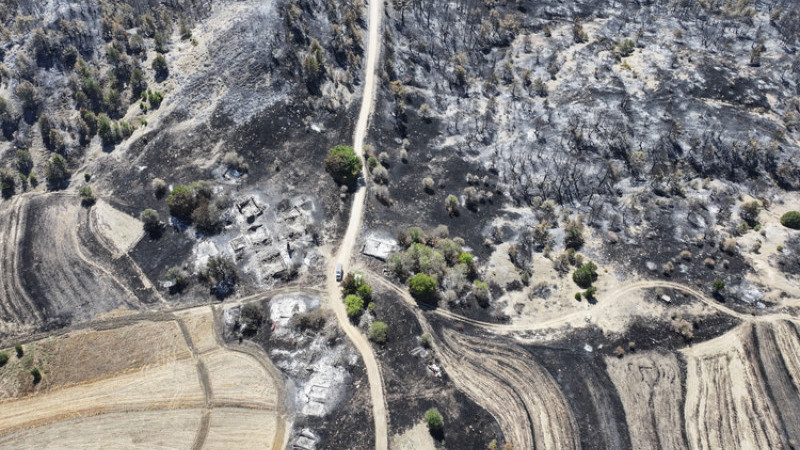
<point>179,277</point>
<point>423,288</point>
<point>28,94</point>
<point>160,66</point>
<point>154,98</point>
<point>353,304</point>
<point>451,204</point>
<point>365,292</point>
<point>37,375</point>
<point>20,351</point>
<point>105,130</point>
<point>311,320</point>
<point>8,182</point>
<point>378,332</point>
<point>181,202</point>
<point>3,359</point>
<point>24,162</point>
<point>251,317</point>
<point>434,419</point>
<point>481,292</point>
<point>791,219</point>
<point>718,285</point>
<point>56,170</point>
<point>151,220</point>
<point>221,273</point>
<point>159,187</point>
<point>427,184</point>
<point>749,212</point>
<point>574,235</point>
<point>585,275</point>
<point>380,175</point>
<point>87,196</point>
<point>343,164</point>
<point>590,293</point>
<point>236,162</point>
<point>425,340</point>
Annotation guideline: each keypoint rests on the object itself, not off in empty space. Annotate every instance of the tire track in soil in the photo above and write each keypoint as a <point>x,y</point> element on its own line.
<point>254,351</point>
<point>521,395</point>
<point>202,376</point>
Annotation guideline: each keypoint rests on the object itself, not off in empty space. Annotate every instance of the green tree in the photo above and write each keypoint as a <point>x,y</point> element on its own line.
<point>181,202</point>
<point>434,419</point>
<point>105,130</point>
<point>718,285</point>
<point>56,170</point>
<point>791,219</point>
<point>585,275</point>
<point>354,304</point>
<point>365,292</point>
<point>423,288</point>
<point>590,293</point>
<point>343,164</point>
<point>378,332</point>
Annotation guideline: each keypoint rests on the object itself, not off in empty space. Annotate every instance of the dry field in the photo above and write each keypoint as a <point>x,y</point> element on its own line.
<point>141,384</point>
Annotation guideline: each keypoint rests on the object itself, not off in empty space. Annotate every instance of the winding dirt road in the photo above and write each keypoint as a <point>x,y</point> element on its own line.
<point>345,253</point>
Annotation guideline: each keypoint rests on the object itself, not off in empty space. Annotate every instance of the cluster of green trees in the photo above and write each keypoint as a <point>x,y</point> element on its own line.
<point>196,203</point>
<point>584,276</point>
<point>357,294</point>
<point>433,261</point>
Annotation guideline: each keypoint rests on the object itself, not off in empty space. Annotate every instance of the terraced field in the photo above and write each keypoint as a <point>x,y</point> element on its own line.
<point>145,386</point>
<point>59,265</point>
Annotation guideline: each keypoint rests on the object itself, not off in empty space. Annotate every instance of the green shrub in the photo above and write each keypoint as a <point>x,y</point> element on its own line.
<point>585,275</point>
<point>423,288</point>
<point>37,375</point>
<point>160,66</point>
<point>466,259</point>
<point>155,98</point>
<point>251,317</point>
<point>353,304</point>
<point>378,332</point>
<point>425,340</point>
<point>150,220</point>
<point>791,219</point>
<point>343,164</point>
<point>434,419</point>
<point>20,351</point>
<point>87,196</point>
<point>24,162</point>
<point>718,285</point>
<point>365,292</point>
<point>590,293</point>
<point>749,212</point>
<point>3,359</point>
<point>105,130</point>
<point>578,296</point>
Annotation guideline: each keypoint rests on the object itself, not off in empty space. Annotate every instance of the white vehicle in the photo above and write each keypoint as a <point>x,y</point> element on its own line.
<point>339,272</point>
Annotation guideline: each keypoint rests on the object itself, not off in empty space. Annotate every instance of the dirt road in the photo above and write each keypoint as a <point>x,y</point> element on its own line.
<point>345,252</point>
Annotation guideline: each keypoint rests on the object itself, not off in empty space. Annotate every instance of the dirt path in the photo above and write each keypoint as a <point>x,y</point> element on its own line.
<point>345,252</point>
<point>576,317</point>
